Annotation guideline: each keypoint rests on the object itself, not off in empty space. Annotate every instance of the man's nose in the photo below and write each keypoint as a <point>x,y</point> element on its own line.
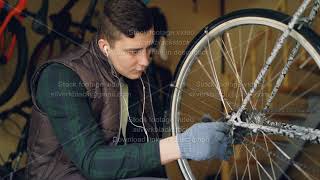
<point>144,59</point>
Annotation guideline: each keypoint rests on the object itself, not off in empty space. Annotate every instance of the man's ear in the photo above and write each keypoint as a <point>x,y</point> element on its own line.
<point>104,46</point>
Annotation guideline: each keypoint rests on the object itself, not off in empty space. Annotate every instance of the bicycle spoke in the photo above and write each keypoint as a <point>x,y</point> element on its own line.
<point>255,154</point>
<point>232,65</point>
<point>235,160</point>
<point>283,173</point>
<point>267,152</point>
<point>258,162</point>
<point>289,158</point>
<point>248,165</point>
<point>218,172</point>
<point>305,154</point>
<point>300,96</point>
<point>240,46</point>
<point>246,52</point>
<point>200,113</point>
<point>247,168</point>
<point>212,81</point>
<point>214,73</point>
<point>273,162</point>
<point>270,160</point>
<point>303,79</point>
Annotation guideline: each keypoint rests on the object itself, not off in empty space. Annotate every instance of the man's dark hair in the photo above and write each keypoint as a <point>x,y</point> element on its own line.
<point>124,16</point>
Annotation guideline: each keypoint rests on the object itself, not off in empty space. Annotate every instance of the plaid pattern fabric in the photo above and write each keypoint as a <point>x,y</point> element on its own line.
<point>63,100</point>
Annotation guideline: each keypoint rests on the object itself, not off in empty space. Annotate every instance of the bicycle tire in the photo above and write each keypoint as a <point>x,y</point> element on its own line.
<point>217,27</point>
<point>17,29</point>
<point>49,41</point>
<point>34,59</point>
<point>68,40</point>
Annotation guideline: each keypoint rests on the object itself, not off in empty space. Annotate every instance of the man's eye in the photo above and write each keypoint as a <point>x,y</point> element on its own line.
<point>133,52</point>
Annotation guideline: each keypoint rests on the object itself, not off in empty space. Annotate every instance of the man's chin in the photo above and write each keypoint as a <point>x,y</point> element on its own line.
<point>135,75</point>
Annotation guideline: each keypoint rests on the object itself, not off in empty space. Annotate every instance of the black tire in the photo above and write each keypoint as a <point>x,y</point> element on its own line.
<point>17,175</point>
<point>34,60</point>
<point>49,41</point>
<point>62,35</point>
<point>15,27</point>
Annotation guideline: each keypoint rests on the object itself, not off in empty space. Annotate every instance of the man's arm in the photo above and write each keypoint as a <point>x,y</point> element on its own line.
<point>169,150</point>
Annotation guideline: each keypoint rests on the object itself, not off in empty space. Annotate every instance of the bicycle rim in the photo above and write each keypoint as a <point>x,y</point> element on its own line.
<point>224,59</point>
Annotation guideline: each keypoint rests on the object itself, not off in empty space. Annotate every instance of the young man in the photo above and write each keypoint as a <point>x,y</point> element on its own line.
<point>93,117</point>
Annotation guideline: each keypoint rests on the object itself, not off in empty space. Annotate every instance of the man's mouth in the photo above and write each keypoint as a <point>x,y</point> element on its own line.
<point>140,71</point>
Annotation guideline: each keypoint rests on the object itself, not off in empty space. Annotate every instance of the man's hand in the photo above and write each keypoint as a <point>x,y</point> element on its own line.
<point>206,140</point>
<point>201,141</point>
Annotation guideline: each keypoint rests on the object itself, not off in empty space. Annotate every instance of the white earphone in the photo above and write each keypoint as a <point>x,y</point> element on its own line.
<point>106,51</point>
<point>126,103</point>
<point>142,114</point>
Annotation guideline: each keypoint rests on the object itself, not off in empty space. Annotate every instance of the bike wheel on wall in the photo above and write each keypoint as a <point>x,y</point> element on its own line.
<point>12,67</point>
<point>65,35</point>
<point>49,47</point>
<point>217,71</point>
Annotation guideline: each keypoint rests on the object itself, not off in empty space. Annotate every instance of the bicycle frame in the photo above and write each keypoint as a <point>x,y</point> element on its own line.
<point>309,134</point>
<point>84,25</point>
<point>12,12</point>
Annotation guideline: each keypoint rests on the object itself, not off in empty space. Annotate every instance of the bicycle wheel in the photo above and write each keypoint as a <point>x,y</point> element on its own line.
<point>12,68</point>
<point>216,72</point>
<point>44,50</point>
<point>49,47</point>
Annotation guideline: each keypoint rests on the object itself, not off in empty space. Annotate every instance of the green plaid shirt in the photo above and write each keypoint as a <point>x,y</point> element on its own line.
<point>77,131</point>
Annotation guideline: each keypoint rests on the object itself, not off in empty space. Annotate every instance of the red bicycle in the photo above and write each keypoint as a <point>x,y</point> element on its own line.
<point>14,46</point>
<point>13,49</point>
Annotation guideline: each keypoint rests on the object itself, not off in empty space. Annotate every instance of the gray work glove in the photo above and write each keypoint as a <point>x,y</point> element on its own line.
<point>205,140</point>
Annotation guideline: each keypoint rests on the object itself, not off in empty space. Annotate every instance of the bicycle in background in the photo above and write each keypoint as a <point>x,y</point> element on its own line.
<point>65,34</point>
<point>13,49</point>
<point>13,40</point>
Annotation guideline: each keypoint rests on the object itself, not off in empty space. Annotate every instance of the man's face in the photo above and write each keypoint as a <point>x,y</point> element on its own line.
<point>130,56</point>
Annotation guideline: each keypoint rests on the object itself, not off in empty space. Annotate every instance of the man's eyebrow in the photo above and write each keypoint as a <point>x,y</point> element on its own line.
<point>133,49</point>
<point>137,49</point>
